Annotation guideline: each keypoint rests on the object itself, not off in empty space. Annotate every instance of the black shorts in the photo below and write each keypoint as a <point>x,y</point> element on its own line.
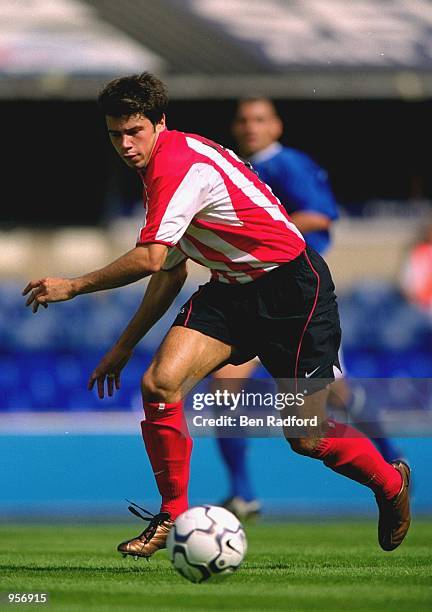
<point>288,318</point>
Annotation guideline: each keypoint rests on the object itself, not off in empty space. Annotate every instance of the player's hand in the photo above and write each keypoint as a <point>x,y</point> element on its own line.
<point>109,369</point>
<point>47,290</point>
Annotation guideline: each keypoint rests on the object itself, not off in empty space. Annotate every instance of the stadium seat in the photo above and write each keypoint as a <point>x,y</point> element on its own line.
<point>46,359</point>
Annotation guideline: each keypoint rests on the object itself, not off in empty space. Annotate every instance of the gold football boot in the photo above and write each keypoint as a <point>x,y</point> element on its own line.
<point>152,539</point>
<point>394,514</point>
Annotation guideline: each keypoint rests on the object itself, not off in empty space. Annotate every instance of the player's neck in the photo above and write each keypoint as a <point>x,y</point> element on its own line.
<point>267,153</point>
<point>155,140</point>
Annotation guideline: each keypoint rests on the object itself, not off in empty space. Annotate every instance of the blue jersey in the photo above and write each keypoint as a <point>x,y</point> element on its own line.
<point>300,184</point>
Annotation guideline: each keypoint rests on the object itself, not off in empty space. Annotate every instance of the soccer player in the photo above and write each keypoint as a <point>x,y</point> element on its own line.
<point>416,281</point>
<point>202,202</point>
<point>304,190</point>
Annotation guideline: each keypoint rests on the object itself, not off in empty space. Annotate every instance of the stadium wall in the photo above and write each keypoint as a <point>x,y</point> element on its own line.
<point>363,249</point>
<point>68,477</point>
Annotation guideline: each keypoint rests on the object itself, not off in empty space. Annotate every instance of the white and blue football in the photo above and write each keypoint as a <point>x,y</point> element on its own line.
<point>206,543</point>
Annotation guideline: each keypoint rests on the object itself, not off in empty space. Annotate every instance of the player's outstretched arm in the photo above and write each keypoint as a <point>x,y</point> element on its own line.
<point>130,267</point>
<point>310,221</point>
<point>161,291</point>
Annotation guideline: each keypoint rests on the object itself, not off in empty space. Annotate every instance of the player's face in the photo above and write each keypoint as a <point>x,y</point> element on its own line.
<point>134,137</point>
<point>256,126</point>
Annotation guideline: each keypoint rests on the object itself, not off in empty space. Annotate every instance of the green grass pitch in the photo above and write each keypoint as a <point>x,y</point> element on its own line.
<point>290,566</point>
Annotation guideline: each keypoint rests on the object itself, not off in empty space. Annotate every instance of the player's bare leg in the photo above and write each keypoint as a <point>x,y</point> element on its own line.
<point>183,359</point>
<point>234,373</point>
<point>349,452</point>
<point>241,500</point>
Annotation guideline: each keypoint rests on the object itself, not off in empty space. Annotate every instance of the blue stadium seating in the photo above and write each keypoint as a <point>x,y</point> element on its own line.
<point>47,358</point>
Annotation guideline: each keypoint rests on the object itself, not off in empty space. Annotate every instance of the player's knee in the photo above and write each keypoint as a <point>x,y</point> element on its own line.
<point>303,446</point>
<point>156,388</point>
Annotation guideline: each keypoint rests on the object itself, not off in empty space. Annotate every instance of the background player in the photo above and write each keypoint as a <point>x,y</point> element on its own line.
<point>303,189</point>
<point>202,202</point>
<point>416,280</point>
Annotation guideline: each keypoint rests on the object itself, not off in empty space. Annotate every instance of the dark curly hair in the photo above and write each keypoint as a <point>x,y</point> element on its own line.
<point>138,94</point>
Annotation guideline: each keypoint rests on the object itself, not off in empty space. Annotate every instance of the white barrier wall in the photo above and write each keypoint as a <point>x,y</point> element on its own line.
<point>362,249</point>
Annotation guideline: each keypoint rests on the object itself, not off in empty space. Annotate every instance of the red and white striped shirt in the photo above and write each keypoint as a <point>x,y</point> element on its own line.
<point>204,203</point>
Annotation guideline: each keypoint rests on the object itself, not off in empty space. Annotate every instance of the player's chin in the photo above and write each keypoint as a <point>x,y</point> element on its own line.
<point>252,147</point>
<point>136,164</point>
<point>255,147</point>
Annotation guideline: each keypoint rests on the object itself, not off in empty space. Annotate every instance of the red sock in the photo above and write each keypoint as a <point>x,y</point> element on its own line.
<point>169,446</point>
<point>352,454</point>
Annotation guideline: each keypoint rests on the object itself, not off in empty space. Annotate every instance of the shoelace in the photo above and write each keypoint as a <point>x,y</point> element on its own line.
<point>154,519</point>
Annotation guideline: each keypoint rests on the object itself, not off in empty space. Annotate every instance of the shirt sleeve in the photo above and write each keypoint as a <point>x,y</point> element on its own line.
<point>306,187</point>
<point>173,200</point>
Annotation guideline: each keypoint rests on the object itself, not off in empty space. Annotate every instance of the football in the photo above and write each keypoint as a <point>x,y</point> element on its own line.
<point>206,543</point>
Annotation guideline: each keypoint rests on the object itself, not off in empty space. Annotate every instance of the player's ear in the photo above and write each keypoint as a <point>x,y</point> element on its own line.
<point>277,128</point>
<point>161,125</point>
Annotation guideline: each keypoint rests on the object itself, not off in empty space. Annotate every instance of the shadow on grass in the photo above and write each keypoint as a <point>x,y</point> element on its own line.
<point>90,570</point>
